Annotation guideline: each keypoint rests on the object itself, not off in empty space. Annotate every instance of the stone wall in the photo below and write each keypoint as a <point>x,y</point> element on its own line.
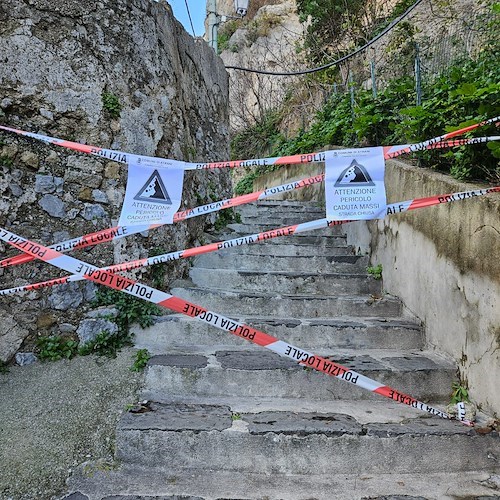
<point>58,60</point>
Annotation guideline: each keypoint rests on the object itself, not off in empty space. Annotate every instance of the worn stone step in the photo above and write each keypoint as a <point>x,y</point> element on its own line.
<point>286,282</point>
<point>226,259</point>
<point>247,302</point>
<point>246,371</point>
<point>134,482</point>
<point>261,227</point>
<point>278,219</point>
<point>286,249</point>
<point>299,206</point>
<point>212,437</point>
<point>346,332</point>
<point>281,207</point>
<point>297,240</point>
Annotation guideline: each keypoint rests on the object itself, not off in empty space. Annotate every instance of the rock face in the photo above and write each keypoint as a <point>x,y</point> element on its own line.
<point>266,42</point>
<point>119,74</point>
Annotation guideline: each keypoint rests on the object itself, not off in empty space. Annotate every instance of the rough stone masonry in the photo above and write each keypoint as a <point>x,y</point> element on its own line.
<point>121,74</point>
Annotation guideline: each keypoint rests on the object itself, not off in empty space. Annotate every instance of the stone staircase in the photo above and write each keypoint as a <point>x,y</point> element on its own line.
<point>231,420</point>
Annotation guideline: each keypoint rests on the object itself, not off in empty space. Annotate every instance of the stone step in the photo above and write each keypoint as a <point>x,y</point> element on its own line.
<point>319,333</point>
<point>133,482</point>
<point>309,306</point>
<point>278,219</point>
<point>286,282</point>
<point>205,437</point>
<point>281,206</point>
<point>246,371</point>
<point>290,250</point>
<point>226,259</point>
<point>297,240</point>
<point>261,227</point>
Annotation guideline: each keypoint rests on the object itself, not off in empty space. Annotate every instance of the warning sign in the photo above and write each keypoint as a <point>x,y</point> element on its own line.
<point>355,173</point>
<point>354,184</point>
<point>153,195</point>
<point>154,190</point>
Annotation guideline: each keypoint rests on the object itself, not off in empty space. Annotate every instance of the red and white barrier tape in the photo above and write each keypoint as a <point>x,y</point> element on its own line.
<point>124,157</point>
<point>121,283</point>
<point>110,234</point>
<point>249,239</point>
<point>115,233</point>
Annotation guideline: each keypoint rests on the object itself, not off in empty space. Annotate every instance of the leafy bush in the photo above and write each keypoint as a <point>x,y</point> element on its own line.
<point>375,271</point>
<point>465,93</point>
<point>105,344</point>
<point>141,360</point>
<point>130,308</point>
<point>111,104</point>
<point>55,347</point>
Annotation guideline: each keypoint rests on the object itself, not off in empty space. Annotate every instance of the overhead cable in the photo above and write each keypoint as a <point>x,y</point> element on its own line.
<point>338,61</point>
<point>189,15</point>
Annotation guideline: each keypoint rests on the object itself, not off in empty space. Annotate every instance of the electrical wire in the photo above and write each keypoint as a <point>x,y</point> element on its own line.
<point>338,61</point>
<point>189,15</point>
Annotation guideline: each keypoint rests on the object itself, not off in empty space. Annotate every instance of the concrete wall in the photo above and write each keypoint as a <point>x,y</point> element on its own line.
<point>444,263</point>
<point>290,173</point>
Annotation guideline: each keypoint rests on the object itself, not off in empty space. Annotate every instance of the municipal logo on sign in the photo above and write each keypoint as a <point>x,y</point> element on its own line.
<point>356,174</point>
<point>154,191</point>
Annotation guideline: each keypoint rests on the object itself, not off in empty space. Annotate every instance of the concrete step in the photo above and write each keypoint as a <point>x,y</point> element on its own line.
<point>230,259</point>
<point>285,206</point>
<point>286,282</point>
<point>278,219</point>
<point>309,306</point>
<point>280,208</point>
<point>261,227</point>
<point>346,332</point>
<point>133,482</point>
<point>320,333</point>
<point>203,437</point>
<point>297,240</point>
<point>247,371</point>
<point>289,250</point>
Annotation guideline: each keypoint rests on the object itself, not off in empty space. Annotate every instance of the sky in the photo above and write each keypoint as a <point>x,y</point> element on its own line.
<point>198,11</point>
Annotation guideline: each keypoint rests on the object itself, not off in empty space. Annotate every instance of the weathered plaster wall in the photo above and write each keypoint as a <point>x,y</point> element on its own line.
<point>444,263</point>
<point>57,60</point>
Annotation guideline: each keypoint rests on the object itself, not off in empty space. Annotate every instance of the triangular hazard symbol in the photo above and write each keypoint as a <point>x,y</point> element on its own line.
<point>355,173</point>
<point>154,191</point>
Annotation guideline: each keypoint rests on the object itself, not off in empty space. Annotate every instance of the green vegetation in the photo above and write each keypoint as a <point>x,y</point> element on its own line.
<point>467,92</point>
<point>375,271</point>
<point>55,347</point>
<point>330,20</point>
<point>111,104</point>
<point>141,360</point>
<point>105,344</point>
<point>5,161</point>
<point>235,416</point>
<point>226,32</point>
<point>225,217</point>
<point>459,394</point>
<point>3,367</point>
<point>130,309</point>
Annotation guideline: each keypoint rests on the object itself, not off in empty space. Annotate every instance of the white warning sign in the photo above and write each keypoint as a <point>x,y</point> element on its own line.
<point>153,195</point>
<point>354,184</point>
